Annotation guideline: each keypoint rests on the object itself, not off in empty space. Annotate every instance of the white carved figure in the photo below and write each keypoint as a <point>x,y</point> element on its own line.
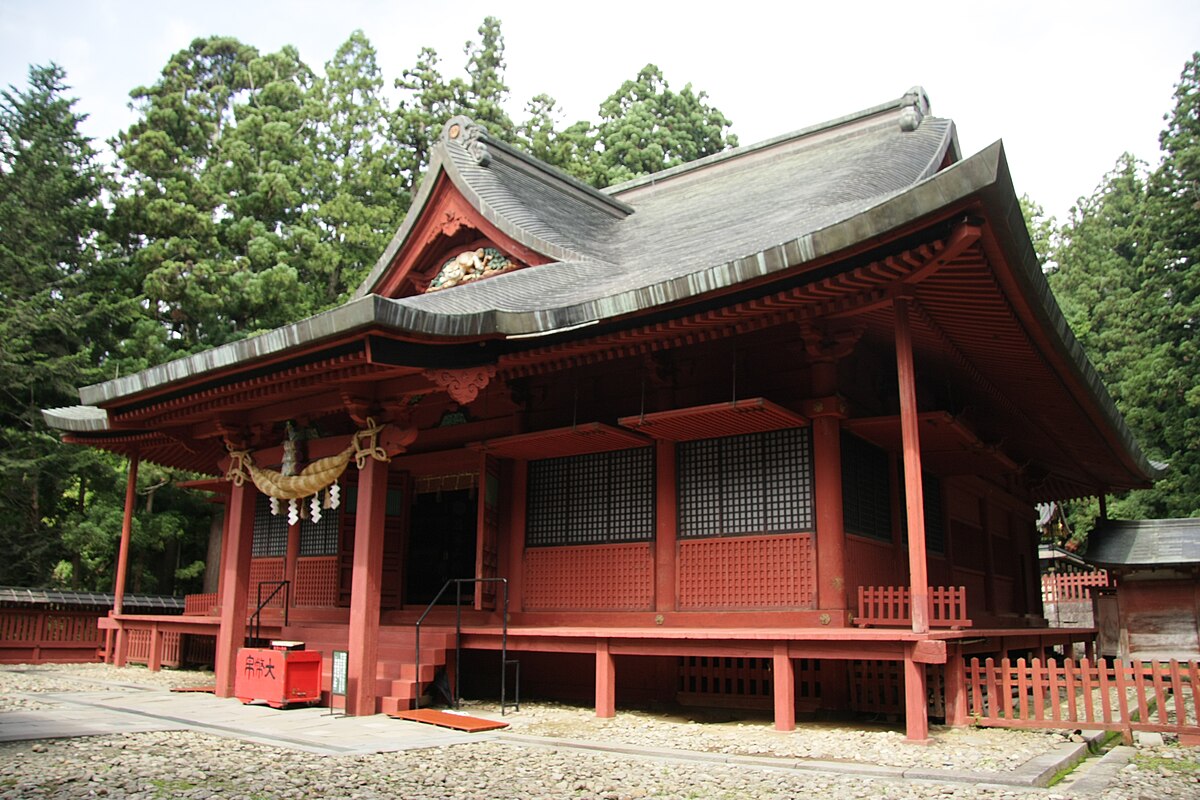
<point>470,265</point>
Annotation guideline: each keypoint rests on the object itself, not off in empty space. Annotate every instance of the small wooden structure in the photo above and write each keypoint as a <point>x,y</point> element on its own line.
<point>698,425</point>
<point>1153,614</point>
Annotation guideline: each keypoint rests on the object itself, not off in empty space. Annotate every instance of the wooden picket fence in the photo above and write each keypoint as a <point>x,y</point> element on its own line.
<point>890,605</point>
<point>1105,695</point>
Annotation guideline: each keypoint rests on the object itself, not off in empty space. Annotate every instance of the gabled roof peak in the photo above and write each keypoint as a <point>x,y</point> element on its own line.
<point>473,138</point>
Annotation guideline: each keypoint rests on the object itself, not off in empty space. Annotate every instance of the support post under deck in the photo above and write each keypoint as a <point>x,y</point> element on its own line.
<point>784,673</point>
<point>606,681</point>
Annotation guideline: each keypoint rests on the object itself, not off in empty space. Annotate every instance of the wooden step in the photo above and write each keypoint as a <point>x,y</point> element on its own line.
<point>446,719</point>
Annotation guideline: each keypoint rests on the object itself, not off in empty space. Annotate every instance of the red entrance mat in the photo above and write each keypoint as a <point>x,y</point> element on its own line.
<point>459,722</point>
<point>210,689</point>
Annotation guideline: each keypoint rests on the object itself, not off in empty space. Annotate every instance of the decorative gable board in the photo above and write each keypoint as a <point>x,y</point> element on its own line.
<point>449,227</point>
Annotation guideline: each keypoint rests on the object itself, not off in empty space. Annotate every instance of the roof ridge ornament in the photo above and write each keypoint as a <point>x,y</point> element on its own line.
<point>470,135</point>
<point>916,108</point>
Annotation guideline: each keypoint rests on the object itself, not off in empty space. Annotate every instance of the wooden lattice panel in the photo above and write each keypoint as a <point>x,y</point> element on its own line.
<point>265,569</point>
<point>613,577</point>
<point>876,687</point>
<point>316,581</point>
<point>747,572</point>
<point>68,627</point>
<point>743,682</point>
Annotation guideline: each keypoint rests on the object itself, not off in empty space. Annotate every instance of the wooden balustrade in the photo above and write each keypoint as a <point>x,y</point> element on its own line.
<point>1108,695</point>
<point>200,604</point>
<point>891,606</point>
<point>1059,587</point>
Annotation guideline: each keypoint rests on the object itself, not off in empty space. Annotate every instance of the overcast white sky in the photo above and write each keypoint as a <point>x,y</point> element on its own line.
<point>1069,86</point>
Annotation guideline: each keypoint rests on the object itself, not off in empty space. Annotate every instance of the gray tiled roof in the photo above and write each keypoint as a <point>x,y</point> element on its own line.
<point>1147,543</point>
<point>14,595</point>
<point>729,207</point>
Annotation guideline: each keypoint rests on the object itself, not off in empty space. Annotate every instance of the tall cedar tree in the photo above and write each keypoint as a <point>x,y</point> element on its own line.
<point>50,189</point>
<point>1171,405</point>
<point>1126,271</point>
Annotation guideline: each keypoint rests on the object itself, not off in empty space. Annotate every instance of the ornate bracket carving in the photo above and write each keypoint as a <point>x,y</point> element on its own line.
<point>823,344</point>
<point>452,223</point>
<point>463,385</point>
<point>358,407</point>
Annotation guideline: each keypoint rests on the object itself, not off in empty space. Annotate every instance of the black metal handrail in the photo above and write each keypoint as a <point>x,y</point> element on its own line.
<point>256,617</point>
<point>504,660</point>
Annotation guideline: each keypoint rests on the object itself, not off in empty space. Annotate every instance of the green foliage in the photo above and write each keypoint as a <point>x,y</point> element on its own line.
<point>1125,274</point>
<point>56,329</point>
<point>645,127</point>
<point>359,187</point>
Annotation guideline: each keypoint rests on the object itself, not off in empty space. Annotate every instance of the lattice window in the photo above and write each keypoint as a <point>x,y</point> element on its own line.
<point>321,538</point>
<point>596,498</point>
<point>270,531</point>
<point>866,495</point>
<point>935,525</point>
<point>743,485</point>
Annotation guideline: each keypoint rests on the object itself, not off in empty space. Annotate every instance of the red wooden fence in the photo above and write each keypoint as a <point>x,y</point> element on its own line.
<point>37,635</point>
<point>139,647</point>
<point>890,605</point>
<point>1061,587</point>
<point>1104,695</point>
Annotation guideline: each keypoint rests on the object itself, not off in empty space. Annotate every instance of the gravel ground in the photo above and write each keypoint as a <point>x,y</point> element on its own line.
<point>1158,772</point>
<point>43,678</point>
<point>977,749</point>
<point>184,764</point>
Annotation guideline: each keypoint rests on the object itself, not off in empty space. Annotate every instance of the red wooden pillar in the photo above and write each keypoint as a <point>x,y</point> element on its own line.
<point>918,571</point>
<point>667,529</point>
<point>156,645</point>
<point>956,687</point>
<point>606,681</point>
<point>826,412</point>
<point>516,536</point>
<point>831,533</point>
<point>916,704</point>
<point>235,584</point>
<point>783,670</point>
<point>122,643</point>
<point>366,581</point>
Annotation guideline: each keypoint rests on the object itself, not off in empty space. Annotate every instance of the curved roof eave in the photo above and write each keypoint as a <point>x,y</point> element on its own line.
<point>355,314</point>
<point>1004,215</point>
<point>948,186</point>
<point>983,177</point>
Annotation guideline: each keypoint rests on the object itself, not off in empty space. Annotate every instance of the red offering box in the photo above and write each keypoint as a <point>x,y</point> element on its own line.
<point>280,677</point>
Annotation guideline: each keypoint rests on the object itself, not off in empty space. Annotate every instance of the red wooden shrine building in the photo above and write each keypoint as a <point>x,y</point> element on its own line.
<point>768,428</point>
